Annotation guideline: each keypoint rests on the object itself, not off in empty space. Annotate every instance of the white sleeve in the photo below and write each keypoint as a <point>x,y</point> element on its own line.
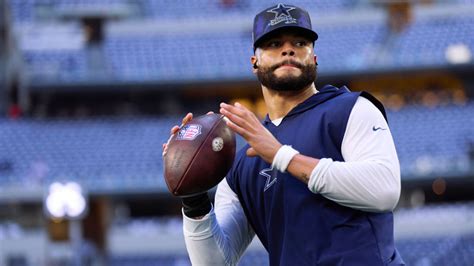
<point>221,237</point>
<point>369,177</point>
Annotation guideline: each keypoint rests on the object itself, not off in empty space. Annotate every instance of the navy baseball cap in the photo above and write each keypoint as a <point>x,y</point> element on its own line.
<point>278,17</point>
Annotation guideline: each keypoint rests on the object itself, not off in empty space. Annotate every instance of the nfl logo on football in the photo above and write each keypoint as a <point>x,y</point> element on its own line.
<point>189,132</point>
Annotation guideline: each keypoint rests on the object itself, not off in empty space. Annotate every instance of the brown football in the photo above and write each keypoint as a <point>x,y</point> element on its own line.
<point>199,155</point>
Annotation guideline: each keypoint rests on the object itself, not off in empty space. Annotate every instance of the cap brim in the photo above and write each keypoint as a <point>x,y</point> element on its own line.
<point>311,35</point>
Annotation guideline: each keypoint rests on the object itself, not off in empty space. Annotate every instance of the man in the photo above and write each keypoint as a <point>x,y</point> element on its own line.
<point>318,180</point>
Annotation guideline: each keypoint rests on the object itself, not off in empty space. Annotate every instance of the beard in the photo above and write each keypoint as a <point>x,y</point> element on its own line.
<point>287,83</point>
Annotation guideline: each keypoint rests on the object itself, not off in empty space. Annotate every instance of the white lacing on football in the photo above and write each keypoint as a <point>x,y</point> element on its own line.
<point>283,157</point>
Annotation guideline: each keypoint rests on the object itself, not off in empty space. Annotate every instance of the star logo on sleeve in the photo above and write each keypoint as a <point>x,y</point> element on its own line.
<point>282,14</point>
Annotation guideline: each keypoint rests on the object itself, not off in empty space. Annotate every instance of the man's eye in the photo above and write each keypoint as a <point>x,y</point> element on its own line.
<point>273,44</point>
<point>301,43</point>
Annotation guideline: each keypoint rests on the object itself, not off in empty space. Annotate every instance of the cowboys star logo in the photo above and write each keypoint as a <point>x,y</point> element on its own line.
<point>282,14</point>
<point>271,178</point>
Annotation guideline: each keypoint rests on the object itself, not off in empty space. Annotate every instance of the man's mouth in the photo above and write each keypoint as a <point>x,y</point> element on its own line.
<point>288,64</point>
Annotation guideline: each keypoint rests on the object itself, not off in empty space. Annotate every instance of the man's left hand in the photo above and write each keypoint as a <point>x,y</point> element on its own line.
<point>242,121</point>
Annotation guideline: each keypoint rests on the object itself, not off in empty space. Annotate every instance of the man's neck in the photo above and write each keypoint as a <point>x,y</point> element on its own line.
<point>280,103</point>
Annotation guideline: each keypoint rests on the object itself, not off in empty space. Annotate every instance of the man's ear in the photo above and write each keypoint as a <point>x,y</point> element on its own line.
<point>316,60</point>
<point>254,62</point>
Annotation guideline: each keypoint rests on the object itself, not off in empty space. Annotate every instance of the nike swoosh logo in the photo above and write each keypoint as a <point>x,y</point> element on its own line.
<point>377,128</point>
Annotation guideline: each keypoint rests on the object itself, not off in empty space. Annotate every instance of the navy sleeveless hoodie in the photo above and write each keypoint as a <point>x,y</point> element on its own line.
<point>296,226</point>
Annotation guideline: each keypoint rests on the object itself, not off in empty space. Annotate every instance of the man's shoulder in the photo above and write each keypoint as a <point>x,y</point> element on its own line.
<point>341,98</point>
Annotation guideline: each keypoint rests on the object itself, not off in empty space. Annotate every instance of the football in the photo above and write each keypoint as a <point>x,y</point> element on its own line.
<point>199,155</point>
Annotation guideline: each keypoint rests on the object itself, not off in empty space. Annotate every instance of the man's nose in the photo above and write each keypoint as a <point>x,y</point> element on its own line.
<point>288,49</point>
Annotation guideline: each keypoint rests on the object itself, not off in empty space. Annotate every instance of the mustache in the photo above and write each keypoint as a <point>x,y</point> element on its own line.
<point>287,62</point>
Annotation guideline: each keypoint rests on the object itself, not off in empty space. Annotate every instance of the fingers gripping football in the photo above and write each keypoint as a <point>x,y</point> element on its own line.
<point>175,129</point>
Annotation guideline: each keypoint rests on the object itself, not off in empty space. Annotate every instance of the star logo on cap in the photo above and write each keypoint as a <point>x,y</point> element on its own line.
<point>282,14</point>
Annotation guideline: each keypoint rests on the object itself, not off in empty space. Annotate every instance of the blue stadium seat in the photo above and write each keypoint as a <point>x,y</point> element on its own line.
<point>426,251</point>
<point>56,65</point>
<point>449,239</point>
<point>204,57</point>
<point>425,41</point>
<point>348,47</point>
<point>28,10</point>
<point>100,154</point>
<point>152,260</point>
<point>423,151</point>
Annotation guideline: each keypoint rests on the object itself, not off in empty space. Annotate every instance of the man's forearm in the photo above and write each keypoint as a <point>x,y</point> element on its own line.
<point>302,166</point>
<point>200,240</point>
<point>220,237</point>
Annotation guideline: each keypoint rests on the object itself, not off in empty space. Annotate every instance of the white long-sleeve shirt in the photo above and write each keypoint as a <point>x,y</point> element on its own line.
<point>368,180</point>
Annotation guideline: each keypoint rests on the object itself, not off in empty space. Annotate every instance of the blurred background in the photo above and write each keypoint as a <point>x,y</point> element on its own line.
<point>90,88</point>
